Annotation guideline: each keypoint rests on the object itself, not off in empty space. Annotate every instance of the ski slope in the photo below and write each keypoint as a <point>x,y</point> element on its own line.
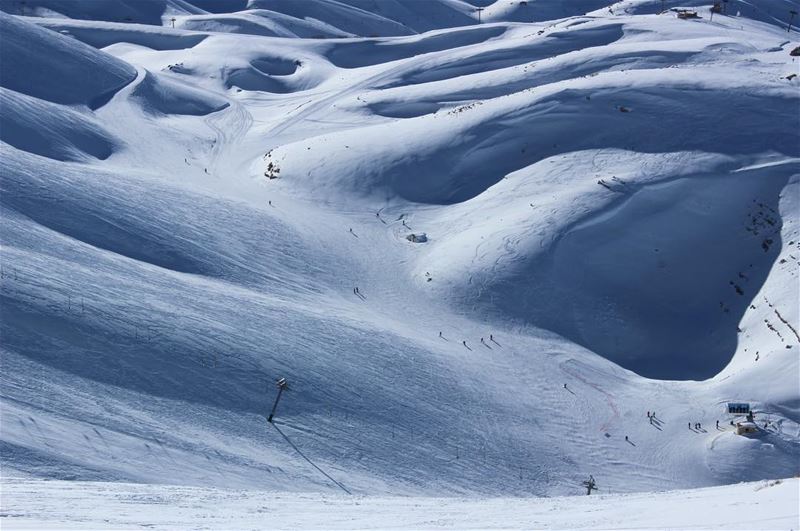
<point>609,191</point>
<point>38,504</point>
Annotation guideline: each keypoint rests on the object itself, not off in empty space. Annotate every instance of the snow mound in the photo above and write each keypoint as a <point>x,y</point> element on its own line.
<point>776,12</point>
<point>101,35</point>
<point>339,15</point>
<point>537,10</point>
<point>436,15</point>
<point>158,94</point>
<point>354,54</point>
<point>46,65</point>
<point>261,22</point>
<point>659,281</point>
<point>139,12</point>
<point>51,130</point>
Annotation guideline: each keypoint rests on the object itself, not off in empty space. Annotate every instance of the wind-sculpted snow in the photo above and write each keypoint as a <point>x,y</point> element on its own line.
<point>138,12</point>
<point>359,53</point>
<point>51,130</point>
<point>336,14</point>
<point>50,66</point>
<point>162,95</point>
<point>262,22</point>
<point>628,279</point>
<point>106,34</point>
<point>480,254</point>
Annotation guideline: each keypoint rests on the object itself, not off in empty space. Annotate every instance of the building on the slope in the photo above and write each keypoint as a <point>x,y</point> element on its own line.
<point>746,428</point>
<point>738,408</point>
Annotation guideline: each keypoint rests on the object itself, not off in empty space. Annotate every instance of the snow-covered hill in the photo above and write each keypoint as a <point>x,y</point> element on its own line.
<point>479,253</point>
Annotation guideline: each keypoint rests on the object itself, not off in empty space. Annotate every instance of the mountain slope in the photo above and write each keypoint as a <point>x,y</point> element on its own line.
<point>553,228</point>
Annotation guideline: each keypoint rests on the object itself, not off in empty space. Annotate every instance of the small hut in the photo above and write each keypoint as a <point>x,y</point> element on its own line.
<point>686,14</point>
<point>746,428</point>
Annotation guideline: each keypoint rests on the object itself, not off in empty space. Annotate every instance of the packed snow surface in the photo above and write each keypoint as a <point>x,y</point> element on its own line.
<point>481,254</point>
<point>37,504</point>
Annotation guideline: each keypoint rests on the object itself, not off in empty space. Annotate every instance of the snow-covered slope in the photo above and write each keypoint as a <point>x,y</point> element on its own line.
<point>37,504</point>
<point>554,228</point>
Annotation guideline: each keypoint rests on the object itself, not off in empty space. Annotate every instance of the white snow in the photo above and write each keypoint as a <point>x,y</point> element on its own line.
<point>612,195</point>
<point>37,504</point>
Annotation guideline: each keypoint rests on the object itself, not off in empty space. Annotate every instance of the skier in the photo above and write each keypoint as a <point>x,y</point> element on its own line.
<point>464,342</point>
<point>626,438</point>
<point>648,414</point>
<point>491,337</point>
<point>440,333</point>
<point>690,425</point>
<point>565,386</point>
<point>270,202</point>
<point>482,341</point>
<point>717,424</point>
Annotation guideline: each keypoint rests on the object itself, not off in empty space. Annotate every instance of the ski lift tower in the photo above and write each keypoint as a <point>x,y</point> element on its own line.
<point>282,384</point>
<point>478,10</point>
<point>590,485</point>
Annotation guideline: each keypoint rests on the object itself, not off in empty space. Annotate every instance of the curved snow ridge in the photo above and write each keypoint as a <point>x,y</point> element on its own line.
<point>774,12</point>
<point>103,34</point>
<point>159,94</point>
<point>145,12</point>
<point>336,14</point>
<point>51,130</point>
<point>504,55</point>
<point>87,205</point>
<point>46,65</point>
<point>261,22</point>
<point>427,98</point>
<point>472,147</point>
<point>360,53</point>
